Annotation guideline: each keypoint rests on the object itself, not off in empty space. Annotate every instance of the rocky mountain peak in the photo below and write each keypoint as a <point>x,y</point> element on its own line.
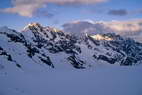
<point>32,26</point>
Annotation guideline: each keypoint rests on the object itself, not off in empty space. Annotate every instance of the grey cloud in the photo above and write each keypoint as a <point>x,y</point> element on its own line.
<point>138,11</point>
<point>80,27</point>
<point>120,12</point>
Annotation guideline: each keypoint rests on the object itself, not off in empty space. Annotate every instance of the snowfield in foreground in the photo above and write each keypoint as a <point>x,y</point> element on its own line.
<point>108,80</point>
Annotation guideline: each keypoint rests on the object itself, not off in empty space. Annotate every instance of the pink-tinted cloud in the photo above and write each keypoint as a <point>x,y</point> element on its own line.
<point>130,28</point>
<point>29,7</point>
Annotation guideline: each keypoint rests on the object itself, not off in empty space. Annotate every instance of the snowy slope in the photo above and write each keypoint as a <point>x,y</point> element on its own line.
<point>46,61</point>
<point>107,80</point>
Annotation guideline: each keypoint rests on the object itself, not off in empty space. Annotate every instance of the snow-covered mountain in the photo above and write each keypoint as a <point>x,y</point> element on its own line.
<point>46,47</point>
<point>46,61</point>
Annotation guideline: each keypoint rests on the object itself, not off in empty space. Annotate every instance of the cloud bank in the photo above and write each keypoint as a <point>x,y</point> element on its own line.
<point>120,12</point>
<point>81,27</point>
<point>29,7</point>
<point>124,12</point>
<point>131,28</point>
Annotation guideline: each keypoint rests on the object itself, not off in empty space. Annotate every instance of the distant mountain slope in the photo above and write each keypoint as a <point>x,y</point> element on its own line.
<point>45,47</point>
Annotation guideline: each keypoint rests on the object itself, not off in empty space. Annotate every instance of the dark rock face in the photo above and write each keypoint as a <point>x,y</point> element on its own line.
<point>31,50</point>
<point>109,60</point>
<point>47,61</point>
<point>128,52</point>
<point>77,63</point>
<point>128,61</point>
<point>4,53</point>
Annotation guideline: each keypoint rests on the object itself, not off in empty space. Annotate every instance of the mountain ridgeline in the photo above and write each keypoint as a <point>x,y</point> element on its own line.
<point>49,47</point>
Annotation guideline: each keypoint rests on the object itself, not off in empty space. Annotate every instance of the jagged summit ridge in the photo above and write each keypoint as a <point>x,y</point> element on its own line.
<point>36,25</point>
<point>33,24</point>
<point>101,37</point>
